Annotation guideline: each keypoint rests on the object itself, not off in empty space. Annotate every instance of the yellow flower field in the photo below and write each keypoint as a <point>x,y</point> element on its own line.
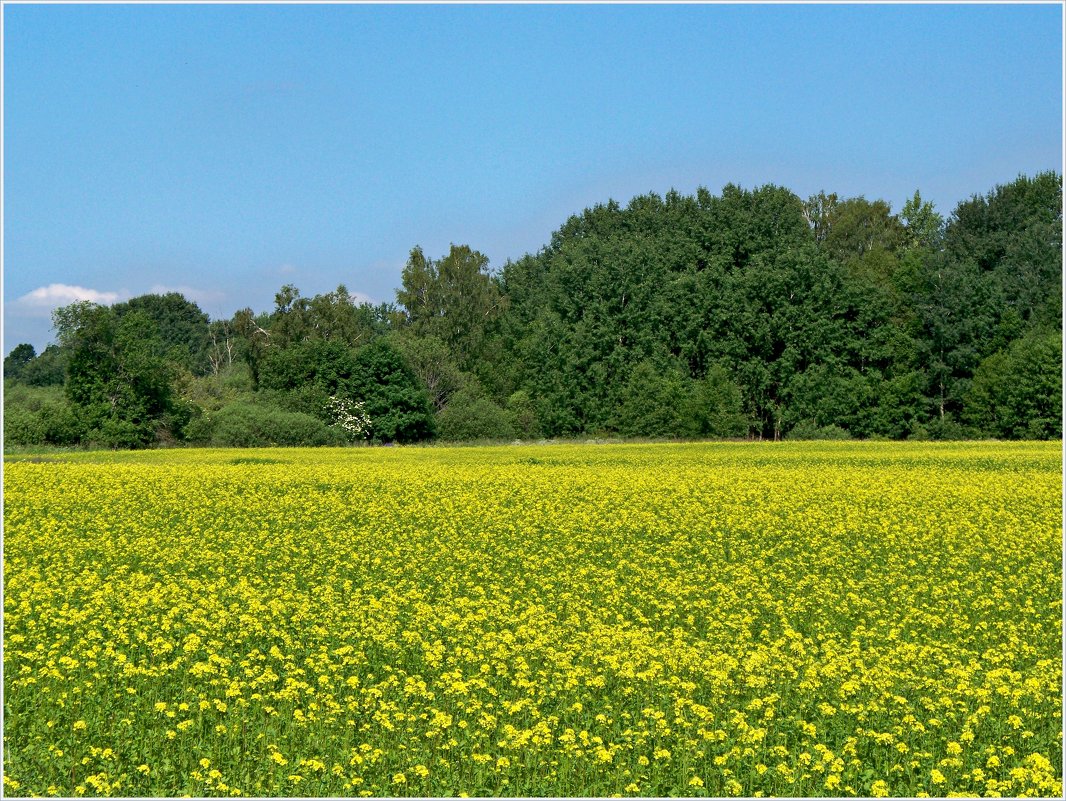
<point>701,620</point>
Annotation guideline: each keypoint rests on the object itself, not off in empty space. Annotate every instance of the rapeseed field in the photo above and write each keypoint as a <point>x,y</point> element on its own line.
<point>834,619</point>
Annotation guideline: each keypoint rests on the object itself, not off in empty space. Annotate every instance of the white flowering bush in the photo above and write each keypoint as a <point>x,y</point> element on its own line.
<point>350,416</point>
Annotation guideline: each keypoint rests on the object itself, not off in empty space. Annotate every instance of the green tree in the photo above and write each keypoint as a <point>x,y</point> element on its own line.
<point>455,299</point>
<point>433,364</point>
<point>399,408</point>
<point>181,326</point>
<point>715,406</point>
<point>653,403</point>
<point>305,376</point>
<point>252,340</point>
<point>923,226</point>
<point>333,316</point>
<point>819,211</point>
<point>49,369</point>
<point>859,227</point>
<point>16,361</point>
<point>1016,393</point>
<point>118,375</point>
<point>1012,238</point>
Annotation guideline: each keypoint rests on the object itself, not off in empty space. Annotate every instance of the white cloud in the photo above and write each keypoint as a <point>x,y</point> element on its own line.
<point>43,299</point>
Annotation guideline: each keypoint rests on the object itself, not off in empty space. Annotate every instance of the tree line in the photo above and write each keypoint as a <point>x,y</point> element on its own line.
<point>749,314</point>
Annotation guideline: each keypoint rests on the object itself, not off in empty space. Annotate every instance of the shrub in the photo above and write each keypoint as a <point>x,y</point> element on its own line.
<point>23,427</point>
<point>246,425</point>
<point>469,416</point>
<point>807,429</point>
<point>523,414</point>
<point>715,406</point>
<point>62,424</point>
<point>119,434</point>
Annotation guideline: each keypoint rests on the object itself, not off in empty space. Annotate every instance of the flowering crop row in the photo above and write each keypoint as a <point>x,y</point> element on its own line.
<point>725,619</point>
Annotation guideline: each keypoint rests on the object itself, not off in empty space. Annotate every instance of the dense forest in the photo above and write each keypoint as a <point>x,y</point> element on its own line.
<point>749,314</point>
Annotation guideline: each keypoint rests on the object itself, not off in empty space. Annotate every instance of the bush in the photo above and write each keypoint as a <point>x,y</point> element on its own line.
<point>23,427</point>
<point>119,434</point>
<point>652,403</point>
<point>200,429</point>
<point>523,414</point>
<point>948,429</point>
<point>62,425</point>
<point>807,429</point>
<point>715,406</point>
<point>40,416</point>
<point>245,425</point>
<point>212,392</point>
<point>469,416</point>
<point>31,399</point>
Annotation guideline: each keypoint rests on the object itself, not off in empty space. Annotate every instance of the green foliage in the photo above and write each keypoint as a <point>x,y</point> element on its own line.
<point>653,404</point>
<point>454,299</point>
<point>212,392</point>
<point>923,226</point>
<point>22,427</point>
<point>858,228</point>
<point>180,324</point>
<point>469,415</point>
<point>16,361</point>
<point>809,429</point>
<point>46,369</point>
<point>1017,393</point>
<point>751,313</point>
<point>399,408</point>
<point>247,425</point>
<point>333,317</point>
<point>900,405</point>
<point>715,406</point>
<point>118,376</point>
<point>40,416</point>
<point>433,364</point>
<point>306,375</point>
<point>522,413</point>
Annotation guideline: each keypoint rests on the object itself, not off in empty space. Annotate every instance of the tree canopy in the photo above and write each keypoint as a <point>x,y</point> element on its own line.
<point>751,313</point>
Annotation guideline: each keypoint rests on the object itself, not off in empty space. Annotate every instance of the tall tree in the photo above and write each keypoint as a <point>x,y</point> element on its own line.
<point>16,361</point>
<point>455,299</point>
<point>923,226</point>
<point>181,325</point>
<point>118,375</point>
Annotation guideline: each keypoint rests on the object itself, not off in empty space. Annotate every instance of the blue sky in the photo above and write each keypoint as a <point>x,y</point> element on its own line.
<point>226,150</point>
